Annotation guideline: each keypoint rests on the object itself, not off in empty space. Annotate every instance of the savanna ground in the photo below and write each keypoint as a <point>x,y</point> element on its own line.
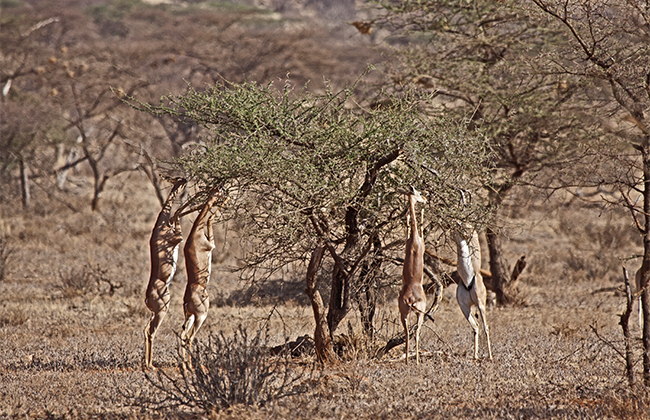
<point>72,312</point>
<point>73,350</point>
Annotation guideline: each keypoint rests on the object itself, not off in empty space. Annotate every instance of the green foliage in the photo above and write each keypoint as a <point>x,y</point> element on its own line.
<point>113,11</point>
<point>9,3</point>
<point>290,155</point>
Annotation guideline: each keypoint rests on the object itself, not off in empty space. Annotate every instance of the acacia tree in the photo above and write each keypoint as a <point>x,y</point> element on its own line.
<point>480,60</point>
<point>312,176</point>
<point>610,48</point>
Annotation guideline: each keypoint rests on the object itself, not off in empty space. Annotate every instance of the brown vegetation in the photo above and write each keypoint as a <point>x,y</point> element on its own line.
<point>73,275</point>
<point>77,355</point>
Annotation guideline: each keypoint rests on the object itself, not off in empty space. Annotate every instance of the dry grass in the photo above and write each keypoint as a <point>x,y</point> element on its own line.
<point>71,349</point>
<point>72,311</point>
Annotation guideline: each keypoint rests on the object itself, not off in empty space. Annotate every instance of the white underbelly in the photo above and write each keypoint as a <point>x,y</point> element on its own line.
<point>174,264</point>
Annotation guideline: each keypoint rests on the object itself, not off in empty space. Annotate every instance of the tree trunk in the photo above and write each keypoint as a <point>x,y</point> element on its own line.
<point>644,149</point>
<point>339,299</point>
<point>367,297</point>
<point>24,184</point>
<point>324,349</point>
<point>498,280</point>
<point>645,302</point>
<point>62,175</point>
<point>340,286</point>
<point>99,187</point>
<point>342,274</point>
<point>341,296</point>
<point>625,324</point>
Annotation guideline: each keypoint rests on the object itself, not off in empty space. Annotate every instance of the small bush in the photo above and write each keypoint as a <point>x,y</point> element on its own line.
<point>74,282</point>
<point>231,370</point>
<point>89,278</point>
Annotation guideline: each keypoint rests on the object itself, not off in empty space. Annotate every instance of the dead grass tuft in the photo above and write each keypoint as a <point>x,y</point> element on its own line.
<point>79,281</point>
<point>14,318</point>
<point>628,404</point>
<point>6,249</point>
<point>352,345</point>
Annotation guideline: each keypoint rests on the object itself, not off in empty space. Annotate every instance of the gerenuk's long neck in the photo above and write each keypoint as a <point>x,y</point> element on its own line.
<point>165,213</point>
<point>414,223</point>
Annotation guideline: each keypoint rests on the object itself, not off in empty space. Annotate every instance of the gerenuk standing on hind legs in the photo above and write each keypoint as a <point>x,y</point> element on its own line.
<point>164,243</point>
<point>471,292</point>
<point>198,262</point>
<point>412,296</point>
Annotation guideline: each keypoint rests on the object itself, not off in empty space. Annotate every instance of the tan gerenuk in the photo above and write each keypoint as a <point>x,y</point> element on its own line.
<point>198,262</point>
<point>165,240</point>
<point>412,296</point>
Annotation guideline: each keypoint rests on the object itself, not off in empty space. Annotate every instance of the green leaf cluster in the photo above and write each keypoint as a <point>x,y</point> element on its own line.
<point>287,155</point>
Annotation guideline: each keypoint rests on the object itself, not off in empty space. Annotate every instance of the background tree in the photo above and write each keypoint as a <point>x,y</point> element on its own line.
<point>479,59</point>
<point>25,146</point>
<point>58,65</point>
<point>310,174</point>
<point>610,49</point>
<point>57,99</point>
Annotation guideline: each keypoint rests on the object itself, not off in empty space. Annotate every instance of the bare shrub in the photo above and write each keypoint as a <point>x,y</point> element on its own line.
<point>74,281</point>
<point>87,279</point>
<point>230,370</point>
<point>100,276</point>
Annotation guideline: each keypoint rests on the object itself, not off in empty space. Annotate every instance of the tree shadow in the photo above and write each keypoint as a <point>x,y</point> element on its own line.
<point>269,292</point>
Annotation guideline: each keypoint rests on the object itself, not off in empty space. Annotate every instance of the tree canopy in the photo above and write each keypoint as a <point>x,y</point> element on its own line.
<point>314,171</point>
<point>291,155</point>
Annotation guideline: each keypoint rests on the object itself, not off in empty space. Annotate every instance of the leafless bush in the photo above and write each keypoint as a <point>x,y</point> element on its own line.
<point>87,279</point>
<point>74,281</point>
<point>229,370</point>
<point>100,276</point>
